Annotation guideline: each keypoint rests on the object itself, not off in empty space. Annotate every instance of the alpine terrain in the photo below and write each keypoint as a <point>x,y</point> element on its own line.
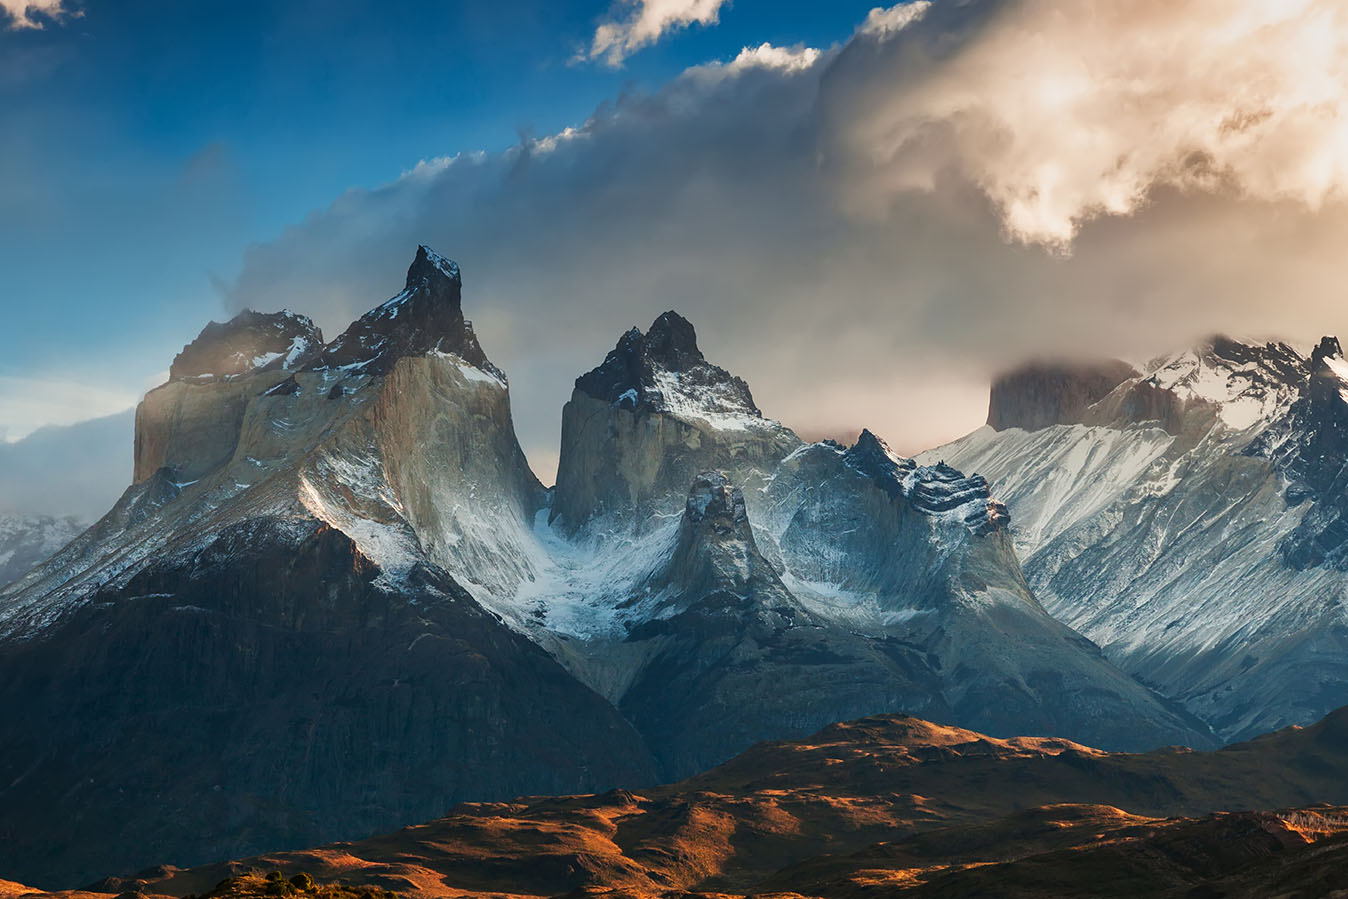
<point>26,540</point>
<point>336,599</point>
<point>1189,518</point>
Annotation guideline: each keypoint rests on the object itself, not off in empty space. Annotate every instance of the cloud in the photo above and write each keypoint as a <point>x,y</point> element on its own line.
<point>17,14</point>
<point>27,404</point>
<point>884,21</point>
<point>764,56</point>
<point>860,231</point>
<point>640,23</point>
<point>1063,112</point>
<point>77,469</point>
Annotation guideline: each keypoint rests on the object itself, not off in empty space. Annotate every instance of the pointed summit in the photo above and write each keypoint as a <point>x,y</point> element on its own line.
<point>672,342</point>
<point>649,419</point>
<point>426,317</point>
<point>872,457</point>
<point>429,267</point>
<point>716,550</point>
<point>664,371</point>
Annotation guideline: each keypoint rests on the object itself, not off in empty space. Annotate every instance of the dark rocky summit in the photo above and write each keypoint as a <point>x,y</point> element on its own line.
<point>427,316</point>
<point>1042,394</point>
<point>933,489</point>
<point>649,371</point>
<point>650,418</point>
<point>250,341</point>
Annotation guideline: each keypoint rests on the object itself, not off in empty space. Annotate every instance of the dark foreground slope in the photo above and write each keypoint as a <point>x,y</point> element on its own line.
<point>252,697</point>
<point>884,806</point>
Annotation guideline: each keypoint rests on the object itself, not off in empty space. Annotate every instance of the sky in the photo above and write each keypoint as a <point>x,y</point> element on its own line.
<point>866,210</point>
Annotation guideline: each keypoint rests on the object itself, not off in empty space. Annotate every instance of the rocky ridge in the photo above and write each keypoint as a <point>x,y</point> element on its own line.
<point>1188,523</point>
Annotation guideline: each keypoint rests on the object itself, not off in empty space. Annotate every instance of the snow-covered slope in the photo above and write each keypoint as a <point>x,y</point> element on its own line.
<point>1186,523</point>
<point>26,540</point>
<point>854,580</point>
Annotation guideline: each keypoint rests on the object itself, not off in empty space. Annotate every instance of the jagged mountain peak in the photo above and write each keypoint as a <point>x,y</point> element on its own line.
<point>429,267</point>
<point>1240,384</point>
<point>672,342</point>
<point>872,457</point>
<point>427,316</point>
<point>652,416</point>
<point>1327,362</point>
<point>250,341</point>
<point>664,371</point>
<point>1220,367</point>
<point>1324,406</point>
<point>938,490</point>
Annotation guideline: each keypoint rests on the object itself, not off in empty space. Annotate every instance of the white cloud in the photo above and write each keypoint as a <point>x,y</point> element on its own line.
<point>1062,112</point>
<point>27,404</point>
<point>643,22</point>
<point>765,56</point>
<point>884,21</point>
<point>20,13</point>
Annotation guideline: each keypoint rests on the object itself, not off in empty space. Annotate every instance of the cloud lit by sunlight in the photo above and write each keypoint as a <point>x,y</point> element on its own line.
<point>31,13</point>
<point>1065,112</point>
<point>643,22</point>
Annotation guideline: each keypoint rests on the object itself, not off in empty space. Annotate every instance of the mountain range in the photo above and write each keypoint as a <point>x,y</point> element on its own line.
<point>336,599</point>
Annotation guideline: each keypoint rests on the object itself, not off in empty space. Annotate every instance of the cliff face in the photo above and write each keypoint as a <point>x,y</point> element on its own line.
<point>641,426</point>
<point>1042,394</point>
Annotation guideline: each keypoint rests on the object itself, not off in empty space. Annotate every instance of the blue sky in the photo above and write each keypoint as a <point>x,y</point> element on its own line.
<point>145,143</point>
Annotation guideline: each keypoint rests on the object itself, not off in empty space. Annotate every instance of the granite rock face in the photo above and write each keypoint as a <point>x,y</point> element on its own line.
<point>648,420</point>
